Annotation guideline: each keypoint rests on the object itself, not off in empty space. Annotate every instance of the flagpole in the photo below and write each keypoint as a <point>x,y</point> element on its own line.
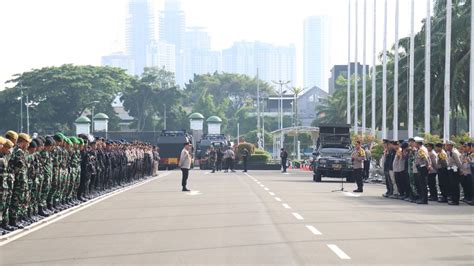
<point>447,73</point>
<point>412,71</point>
<point>356,69</point>
<point>349,66</point>
<point>374,69</point>
<point>395,78</point>
<point>384,78</point>
<point>471,83</point>
<point>428,68</point>
<point>364,72</point>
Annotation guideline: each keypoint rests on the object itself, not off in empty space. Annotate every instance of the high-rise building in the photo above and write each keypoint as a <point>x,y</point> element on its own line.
<point>341,70</point>
<point>119,60</point>
<point>160,54</point>
<point>140,28</point>
<point>199,58</point>
<point>273,62</point>
<point>172,31</point>
<point>315,51</point>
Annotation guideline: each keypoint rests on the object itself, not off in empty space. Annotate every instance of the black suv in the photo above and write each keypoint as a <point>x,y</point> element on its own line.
<point>332,157</point>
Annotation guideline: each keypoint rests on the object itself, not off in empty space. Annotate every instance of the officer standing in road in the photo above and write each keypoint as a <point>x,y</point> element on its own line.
<point>212,159</point>
<point>433,172</point>
<point>454,165</point>
<point>423,165</point>
<point>185,164</point>
<point>284,159</point>
<point>358,158</point>
<point>244,154</point>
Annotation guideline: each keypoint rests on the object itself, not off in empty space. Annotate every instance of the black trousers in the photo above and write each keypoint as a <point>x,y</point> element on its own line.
<point>284,165</point>
<point>432,185</point>
<point>401,178</point>
<point>244,161</point>
<point>443,181</point>
<point>454,181</point>
<point>366,169</point>
<point>219,165</point>
<point>184,179</point>
<point>357,174</point>
<point>421,183</point>
<point>388,182</point>
<point>466,183</point>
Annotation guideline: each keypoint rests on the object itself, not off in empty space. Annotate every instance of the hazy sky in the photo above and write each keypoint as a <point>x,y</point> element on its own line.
<point>38,33</point>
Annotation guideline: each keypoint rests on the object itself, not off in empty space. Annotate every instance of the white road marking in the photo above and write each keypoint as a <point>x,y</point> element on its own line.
<point>267,189</point>
<point>341,254</point>
<point>313,230</point>
<point>277,199</point>
<point>61,215</point>
<point>261,185</point>
<point>350,194</point>
<point>298,216</point>
<point>206,173</point>
<point>271,193</point>
<point>286,206</point>
<point>194,193</point>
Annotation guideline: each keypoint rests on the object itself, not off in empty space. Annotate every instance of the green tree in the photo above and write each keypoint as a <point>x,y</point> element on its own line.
<point>63,94</point>
<point>150,95</point>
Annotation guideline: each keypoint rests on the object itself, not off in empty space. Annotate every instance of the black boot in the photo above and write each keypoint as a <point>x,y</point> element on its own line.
<point>41,212</point>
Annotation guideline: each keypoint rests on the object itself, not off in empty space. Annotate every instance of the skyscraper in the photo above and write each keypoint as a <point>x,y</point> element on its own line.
<point>199,58</point>
<point>160,54</point>
<point>172,30</point>
<point>119,60</point>
<point>315,51</point>
<point>273,62</point>
<point>139,32</point>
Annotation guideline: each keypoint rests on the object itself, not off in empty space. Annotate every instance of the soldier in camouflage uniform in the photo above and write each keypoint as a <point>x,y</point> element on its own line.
<point>20,185</point>
<point>5,182</point>
<point>412,171</point>
<point>47,176</point>
<point>7,185</point>
<point>33,181</point>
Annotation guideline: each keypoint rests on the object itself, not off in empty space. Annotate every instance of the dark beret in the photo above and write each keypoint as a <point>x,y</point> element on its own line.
<point>33,145</point>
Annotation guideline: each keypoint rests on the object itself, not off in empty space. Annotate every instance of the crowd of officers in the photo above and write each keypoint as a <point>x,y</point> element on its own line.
<point>419,173</point>
<point>45,175</point>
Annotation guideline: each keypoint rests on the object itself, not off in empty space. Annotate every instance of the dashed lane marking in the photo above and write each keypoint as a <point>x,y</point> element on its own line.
<point>267,189</point>
<point>341,254</point>
<point>277,199</point>
<point>298,216</point>
<point>313,230</point>
<point>271,193</point>
<point>286,206</point>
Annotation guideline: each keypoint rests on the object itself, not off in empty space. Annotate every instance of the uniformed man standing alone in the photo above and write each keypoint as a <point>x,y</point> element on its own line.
<point>358,157</point>
<point>185,164</point>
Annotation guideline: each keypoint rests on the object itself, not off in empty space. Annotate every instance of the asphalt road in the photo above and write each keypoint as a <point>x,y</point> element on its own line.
<point>261,218</point>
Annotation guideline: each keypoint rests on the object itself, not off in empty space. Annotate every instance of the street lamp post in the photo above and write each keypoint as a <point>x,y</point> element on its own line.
<point>281,83</point>
<point>93,107</point>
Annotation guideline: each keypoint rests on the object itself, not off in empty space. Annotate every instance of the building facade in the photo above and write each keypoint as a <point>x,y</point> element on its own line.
<point>172,31</point>
<point>119,60</point>
<point>160,54</point>
<point>273,62</point>
<point>315,51</point>
<point>139,32</point>
<point>341,70</point>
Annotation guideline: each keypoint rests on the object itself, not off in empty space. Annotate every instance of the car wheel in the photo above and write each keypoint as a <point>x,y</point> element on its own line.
<point>317,177</point>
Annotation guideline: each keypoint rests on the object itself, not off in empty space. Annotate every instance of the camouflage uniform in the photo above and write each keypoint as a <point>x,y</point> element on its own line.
<point>46,176</point>
<point>20,186</point>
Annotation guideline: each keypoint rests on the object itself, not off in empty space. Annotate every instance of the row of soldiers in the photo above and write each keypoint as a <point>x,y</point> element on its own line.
<point>420,173</point>
<point>45,175</point>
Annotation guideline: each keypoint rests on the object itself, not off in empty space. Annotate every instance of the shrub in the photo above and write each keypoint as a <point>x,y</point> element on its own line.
<point>260,158</point>
<point>249,146</point>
